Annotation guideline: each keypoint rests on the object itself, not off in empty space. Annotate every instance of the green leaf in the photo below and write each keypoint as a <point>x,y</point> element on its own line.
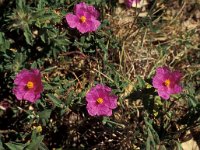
<point>45,114</point>
<point>141,82</point>
<point>148,144</point>
<point>28,35</point>
<point>4,44</point>
<point>41,4</point>
<point>47,86</point>
<point>35,143</point>
<point>55,100</point>
<point>15,146</point>
<point>42,146</point>
<point>192,101</point>
<point>20,4</point>
<point>18,61</point>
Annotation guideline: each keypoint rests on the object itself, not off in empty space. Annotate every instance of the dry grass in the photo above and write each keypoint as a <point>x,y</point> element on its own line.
<point>168,36</point>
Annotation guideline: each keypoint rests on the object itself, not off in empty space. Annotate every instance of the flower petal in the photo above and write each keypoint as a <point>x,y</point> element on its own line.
<point>163,94</point>
<point>83,27</point>
<point>29,96</point>
<point>104,111</point>
<point>177,75</point>
<point>19,92</point>
<point>92,110</point>
<point>177,89</point>
<point>81,6</point>
<point>94,24</point>
<point>72,20</point>
<point>113,101</point>
<point>93,11</point>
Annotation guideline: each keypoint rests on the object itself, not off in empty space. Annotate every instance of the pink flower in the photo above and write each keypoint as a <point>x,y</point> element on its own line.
<point>100,101</point>
<point>85,18</point>
<point>129,3</point>
<point>167,82</point>
<point>28,85</point>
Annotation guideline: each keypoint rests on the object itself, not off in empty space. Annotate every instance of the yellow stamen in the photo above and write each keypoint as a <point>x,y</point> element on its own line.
<point>167,83</point>
<point>83,19</point>
<point>100,100</point>
<point>29,85</point>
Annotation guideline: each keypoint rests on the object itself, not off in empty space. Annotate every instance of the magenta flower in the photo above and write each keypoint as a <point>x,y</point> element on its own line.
<point>100,101</point>
<point>129,3</point>
<point>167,82</point>
<point>85,18</point>
<point>28,85</point>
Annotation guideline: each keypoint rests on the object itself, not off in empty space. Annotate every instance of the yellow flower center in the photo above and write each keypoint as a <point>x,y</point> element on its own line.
<point>167,83</point>
<point>83,19</point>
<point>100,100</point>
<point>29,85</point>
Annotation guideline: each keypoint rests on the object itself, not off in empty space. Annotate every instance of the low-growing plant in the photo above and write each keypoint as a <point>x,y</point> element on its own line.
<point>67,79</point>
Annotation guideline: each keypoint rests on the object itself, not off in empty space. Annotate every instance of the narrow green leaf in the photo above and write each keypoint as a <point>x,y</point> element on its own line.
<point>20,4</point>
<point>141,82</point>
<point>15,146</point>
<point>55,100</point>
<point>148,144</point>
<point>28,35</point>
<point>42,146</point>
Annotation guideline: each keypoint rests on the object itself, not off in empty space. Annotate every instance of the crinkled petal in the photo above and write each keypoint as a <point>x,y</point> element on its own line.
<point>104,111</point>
<point>38,88</point>
<point>86,8</point>
<point>93,11</point>
<point>92,96</point>
<point>92,109</point>
<point>163,94</point>
<point>38,85</point>
<point>113,101</point>
<point>27,75</point>
<point>157,82</point>
<point>19,79</point>
<point>94,25</point>
<point>103,87</point>
<point>19,92</point>
<point>72,20</point>
<point>177,76</point>
<point>82,12</point>
<point>162,74</point>
<point>109,113</point>
<point>30,96</point>
<point>177,89</point>
<point>83,27</point>
<point>163,70</point>
<point>81,6</point>
<point>37,96</point>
